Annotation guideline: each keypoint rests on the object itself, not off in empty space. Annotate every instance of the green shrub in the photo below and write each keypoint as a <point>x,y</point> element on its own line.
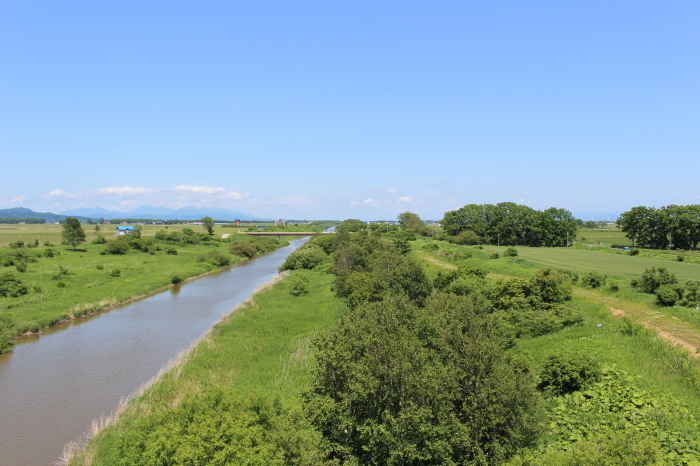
<point>467,237</point>
<point>21,267</point>
<point>614,285</point>
<point>17,245</point>
<point>100,267</point>
<point>510,252</point>
<point>668,295</point>
<point>633,252</point>
<point>324,268</point>
<point>49,244</point>
<point>215,258</point>
<point>298,284</point>
<point>593,279</point>
<point>568,373</point>
<point>117,247</point>
<point>7,331</point>
<point>11,287</point>
<point>306,257</point>
<point>61,284</point>
<point>176,279</point>
<point>654,277</point>
<point>99,239</point>
<point>680,258</point>
<point>243,249</point>
<point>430,246</point>
<point>494,256</point>
<point>692,293</point>
<point>171,251</point>
<point>115,273</point>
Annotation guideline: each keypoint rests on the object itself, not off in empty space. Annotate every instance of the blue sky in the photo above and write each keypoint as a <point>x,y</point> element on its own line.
<point>349,109</point>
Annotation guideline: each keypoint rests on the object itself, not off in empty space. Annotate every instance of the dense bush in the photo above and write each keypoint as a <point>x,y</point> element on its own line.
<point>692,293</point>
<point>116,273</point>
<point>243,249</point>
<point>215,258</point>
<point>7,330</point>
<point>117,247</point>
<point>176,279</point>
<point>568,373</point>
<point>307,256</point>
<point>494,256</point>
<point>668,295</point>
<point>654,277</point>
<point>633,252</point>
<point>99,239</point>
<point>593,279</point>
<point>397,384</point>
<point>510,252</point>
<point>467,237</point>
<point>9,258</point>
<point>431,246</point>
<point>298,284</point>
<point>11,286</point>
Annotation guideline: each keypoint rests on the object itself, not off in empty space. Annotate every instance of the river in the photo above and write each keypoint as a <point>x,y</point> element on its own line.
<point>53,385</point>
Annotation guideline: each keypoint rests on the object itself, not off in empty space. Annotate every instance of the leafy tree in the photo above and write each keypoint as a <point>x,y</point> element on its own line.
<point>7,332</point>
<point>208,224</point>
<point>410,221</point>
<point>654,277</point>
<point>73,233</point>
<point>396,384</point>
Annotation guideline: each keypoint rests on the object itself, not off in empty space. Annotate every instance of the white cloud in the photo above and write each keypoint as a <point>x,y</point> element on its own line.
<point>123,191</point>
<point>17,200</point>
<point>524,201</point>
<point>405,199</point>
<point>200,189</point>
<point>56,192</point>
<point>369,201</point>
<point>430,194</point>
<point>392,190</point>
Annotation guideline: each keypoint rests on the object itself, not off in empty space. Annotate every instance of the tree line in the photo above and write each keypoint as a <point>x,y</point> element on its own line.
<point>508,223</point>
<point>672,227</point>
<point>22,220</point>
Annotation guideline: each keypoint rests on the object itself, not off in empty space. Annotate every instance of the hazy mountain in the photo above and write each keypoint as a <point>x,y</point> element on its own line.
<point>162,213</point>
<point>21,212</point>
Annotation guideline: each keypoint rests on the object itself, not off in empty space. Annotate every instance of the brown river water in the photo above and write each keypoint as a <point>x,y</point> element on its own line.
<point>53,385</point>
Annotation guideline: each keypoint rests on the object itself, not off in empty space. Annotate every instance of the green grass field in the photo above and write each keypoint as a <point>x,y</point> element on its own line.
<point>90,282</point>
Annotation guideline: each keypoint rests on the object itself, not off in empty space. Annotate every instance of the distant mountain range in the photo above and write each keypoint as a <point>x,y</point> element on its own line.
<point>21,212</point>
<point>143,212</point>
<point>161,213</point>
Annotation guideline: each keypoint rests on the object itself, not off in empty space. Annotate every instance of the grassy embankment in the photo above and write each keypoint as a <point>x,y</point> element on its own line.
<point>75,283</point>
<point>260,355</point>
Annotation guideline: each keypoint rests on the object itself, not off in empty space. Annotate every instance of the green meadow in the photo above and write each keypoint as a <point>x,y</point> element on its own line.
<point>73,283</point>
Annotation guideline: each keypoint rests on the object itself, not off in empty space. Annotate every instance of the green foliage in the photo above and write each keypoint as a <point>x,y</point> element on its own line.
<point>243,249</point>
<point>176,279</point>
<point>633,252</point>
<point>11,286</point>
<point>593,279</point>
<point>99,239</point>
<point>213,429</point>
<point>215,258</point>
<point>431,246</point>
<point>668,295</point>
<point>494,255</point>
<point>510,252</point>
<point>396,384</point>
<point>298,284</point>
<point>654,277</point>
<point>692,293</point>
<point>116,273</point>
<point>324,268</point>
<point>7,329</point>
<point>307,256</point>
<point>466,269</point>
<point>118,246</point>
<point>613,285</point>
<point>208,225</point>
<point>666,227</point>
<point>171,251</point>
<point>409,220</point>
<point>467,237</point>
<point>568,373</point>
<point>73,234</point>
<point>17,245</point>
<point>617,406</point>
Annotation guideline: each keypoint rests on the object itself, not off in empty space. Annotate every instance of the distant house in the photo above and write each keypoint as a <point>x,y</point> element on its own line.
<point>125,230</point>
<point>280,223</point>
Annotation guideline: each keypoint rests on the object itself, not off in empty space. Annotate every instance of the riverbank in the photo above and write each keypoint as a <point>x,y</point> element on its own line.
<point>258,356</point>
<point>63,285</point>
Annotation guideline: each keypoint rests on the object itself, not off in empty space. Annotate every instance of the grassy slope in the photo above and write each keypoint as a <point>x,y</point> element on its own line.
<point>88,288</point>
<point>262,349</point>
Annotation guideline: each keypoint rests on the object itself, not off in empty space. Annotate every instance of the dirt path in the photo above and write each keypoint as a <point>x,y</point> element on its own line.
<point>667,327</point>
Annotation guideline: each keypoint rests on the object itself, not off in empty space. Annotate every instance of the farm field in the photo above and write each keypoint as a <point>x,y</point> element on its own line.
<point>614,265</point>
<point>607,236</point>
